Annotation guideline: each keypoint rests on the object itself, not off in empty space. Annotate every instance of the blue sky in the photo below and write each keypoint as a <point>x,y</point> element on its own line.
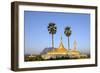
<point>37,36</point>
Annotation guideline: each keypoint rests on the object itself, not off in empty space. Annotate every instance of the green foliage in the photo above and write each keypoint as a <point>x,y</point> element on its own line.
<point>36,58</point>
<point>52,28</point>
<point>67,31</point>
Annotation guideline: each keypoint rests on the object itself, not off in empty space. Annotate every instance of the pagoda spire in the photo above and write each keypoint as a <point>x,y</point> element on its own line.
<point>61,44</point>
<point>75,45</point>
<point>61,39</point>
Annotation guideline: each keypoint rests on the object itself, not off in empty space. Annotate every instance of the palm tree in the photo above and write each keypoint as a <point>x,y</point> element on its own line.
<point>52,30</point>
<point>68,32</point>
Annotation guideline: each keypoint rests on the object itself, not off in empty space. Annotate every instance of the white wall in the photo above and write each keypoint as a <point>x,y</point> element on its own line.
<point>5,40</point>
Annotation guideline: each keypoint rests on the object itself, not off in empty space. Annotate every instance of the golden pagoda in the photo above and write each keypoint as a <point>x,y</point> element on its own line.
<point>61,50</point>
<point>74,52</point>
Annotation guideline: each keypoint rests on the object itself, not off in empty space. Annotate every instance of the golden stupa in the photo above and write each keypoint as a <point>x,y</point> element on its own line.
<point>61,50</point>
<point>75,53</point>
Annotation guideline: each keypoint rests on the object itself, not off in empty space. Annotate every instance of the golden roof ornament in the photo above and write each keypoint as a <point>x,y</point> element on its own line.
<point>75,45</point>
<point>61,44</point>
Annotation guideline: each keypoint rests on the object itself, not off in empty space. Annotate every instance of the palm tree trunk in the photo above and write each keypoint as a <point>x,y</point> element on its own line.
<point>52,42</point>
<point>68,44</point>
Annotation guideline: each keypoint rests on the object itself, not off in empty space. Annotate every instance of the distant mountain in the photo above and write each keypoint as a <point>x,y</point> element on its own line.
<point>46,50</point>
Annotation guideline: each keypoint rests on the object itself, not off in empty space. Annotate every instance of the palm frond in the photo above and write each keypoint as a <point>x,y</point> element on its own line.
<point>52,28</point>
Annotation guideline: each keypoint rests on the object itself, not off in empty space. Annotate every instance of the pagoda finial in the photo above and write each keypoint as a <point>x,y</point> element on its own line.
<point>61,44</point>
<point>61,38</point>
<point>75,45</point>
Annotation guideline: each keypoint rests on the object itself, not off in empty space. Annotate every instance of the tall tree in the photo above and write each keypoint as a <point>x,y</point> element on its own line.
<point>68,32</point>
<point>52,30</point>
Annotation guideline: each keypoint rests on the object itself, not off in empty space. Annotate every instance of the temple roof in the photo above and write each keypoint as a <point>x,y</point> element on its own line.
<point>60,49</point>
<point>61,44</point>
